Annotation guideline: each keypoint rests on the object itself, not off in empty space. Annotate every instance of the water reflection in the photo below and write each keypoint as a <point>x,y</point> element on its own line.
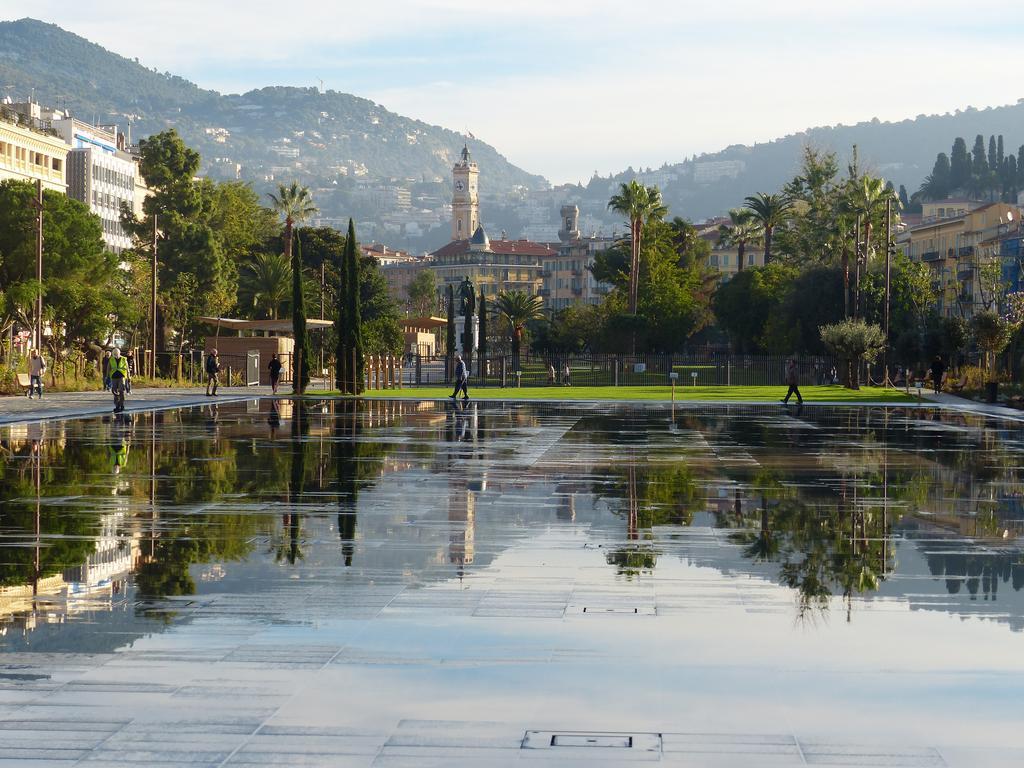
<point>100,516</point>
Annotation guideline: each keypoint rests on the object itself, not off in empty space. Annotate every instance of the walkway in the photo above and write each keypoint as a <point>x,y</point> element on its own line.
<point>63,405</point>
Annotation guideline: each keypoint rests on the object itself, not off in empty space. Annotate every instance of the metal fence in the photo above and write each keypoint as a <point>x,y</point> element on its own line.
<point>699,369</point>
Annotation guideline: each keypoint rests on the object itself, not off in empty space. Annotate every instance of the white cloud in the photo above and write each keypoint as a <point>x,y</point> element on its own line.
<point>566,88</point>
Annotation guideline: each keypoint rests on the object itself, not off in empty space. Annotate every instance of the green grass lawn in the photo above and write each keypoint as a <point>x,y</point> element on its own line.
<point>811,394</point>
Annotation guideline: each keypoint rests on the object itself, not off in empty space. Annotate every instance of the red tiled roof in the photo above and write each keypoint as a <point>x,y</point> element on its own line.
<point>498,247</point>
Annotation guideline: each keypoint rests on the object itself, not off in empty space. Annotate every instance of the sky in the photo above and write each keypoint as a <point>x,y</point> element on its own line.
<point>565,88</point>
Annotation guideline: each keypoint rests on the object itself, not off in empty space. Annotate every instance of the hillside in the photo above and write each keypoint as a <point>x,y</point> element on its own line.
<point>321,138</point>
<point>902,152</point>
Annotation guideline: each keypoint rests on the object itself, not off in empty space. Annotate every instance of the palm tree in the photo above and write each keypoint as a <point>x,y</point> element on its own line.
<point>639,204</point>
<point>266,284</point>
<point>518,309</point>
<point>741,229</point>
<point>770,211</point>
<point>866,199</point>
<point>295,206</point>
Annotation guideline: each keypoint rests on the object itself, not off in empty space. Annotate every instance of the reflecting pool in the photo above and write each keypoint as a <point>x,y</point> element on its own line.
<point>344,583</point>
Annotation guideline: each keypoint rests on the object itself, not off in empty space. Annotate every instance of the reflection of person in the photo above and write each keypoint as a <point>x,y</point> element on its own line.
<point>118,378</point>
<point>461,378</point>
<point>938,371</point>
<point>275,372</point>
<point>118,453</point>
<point>274,419</point>
<point>212,369</point>
<point>793,380</point>
<point>36,369</point>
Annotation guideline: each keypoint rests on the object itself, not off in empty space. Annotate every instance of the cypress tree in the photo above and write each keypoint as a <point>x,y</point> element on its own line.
<point>979,160</point>
<point>960,165</point>
<point>904,199</point>
<point>343,353</point>
<point>450,334</point>
<point>993,162</point>
<point>352,301</point>
<point>300,357</point>
<point>482,346</point>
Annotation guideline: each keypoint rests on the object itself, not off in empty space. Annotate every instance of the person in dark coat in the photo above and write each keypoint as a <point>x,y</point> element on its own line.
<point>212,370</point>
<point>938,372</point>
<point>793,380</point>
<point>461,378</point>
<point>275,372</point>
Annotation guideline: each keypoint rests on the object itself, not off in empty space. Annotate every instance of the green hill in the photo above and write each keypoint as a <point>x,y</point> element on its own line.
<point>336,136</point>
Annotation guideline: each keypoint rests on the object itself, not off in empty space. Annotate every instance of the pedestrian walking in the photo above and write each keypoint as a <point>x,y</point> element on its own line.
<point>566,373</point>
<point>793,380</point>
<point>36,369</point>
<point>212,370</point>
<point>105,368</point>
<point>938,372</point>
<point>551,374</point>
<point>461,378</point>
<point>118,378</point>
<point>275,372</point>
<point>131,371</point>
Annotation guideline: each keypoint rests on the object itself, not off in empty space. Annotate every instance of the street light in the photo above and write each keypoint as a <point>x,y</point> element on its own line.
<point>37,204</point>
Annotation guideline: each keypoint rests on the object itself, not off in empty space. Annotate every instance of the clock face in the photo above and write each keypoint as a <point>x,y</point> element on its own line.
<point>459,186</point>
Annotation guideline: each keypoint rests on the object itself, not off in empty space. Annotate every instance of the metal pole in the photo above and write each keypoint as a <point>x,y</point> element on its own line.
<point>152,308</point>
<point>323,265</point>
<point>856,272</point>
<point>888,286</point>
<point>39,264</point>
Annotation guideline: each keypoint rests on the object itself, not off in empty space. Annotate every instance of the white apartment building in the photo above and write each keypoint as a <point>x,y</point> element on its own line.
<point>30,153</point>
<point>101,174</point>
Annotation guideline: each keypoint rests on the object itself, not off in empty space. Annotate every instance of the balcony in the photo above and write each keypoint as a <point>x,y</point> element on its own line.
<point>968,251</point>
<point>545,272</point>
<point>577,273</point>
<point>544,292</point>
<point>931,256</point>
<point>965,273</point>
<point>577,291</point>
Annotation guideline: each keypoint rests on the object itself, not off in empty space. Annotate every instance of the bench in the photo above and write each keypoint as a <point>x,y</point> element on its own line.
<point>958,386</point>
<point>24,382</point>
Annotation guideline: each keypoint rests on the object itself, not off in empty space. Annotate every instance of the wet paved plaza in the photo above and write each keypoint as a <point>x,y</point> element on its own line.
<point>416,584</point>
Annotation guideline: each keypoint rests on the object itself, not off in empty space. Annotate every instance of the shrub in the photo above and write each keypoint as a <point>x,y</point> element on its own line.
<point>854,341</point>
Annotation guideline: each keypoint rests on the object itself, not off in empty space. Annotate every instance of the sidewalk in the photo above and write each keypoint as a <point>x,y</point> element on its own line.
<point>963,404</point>
<point>63,405</point>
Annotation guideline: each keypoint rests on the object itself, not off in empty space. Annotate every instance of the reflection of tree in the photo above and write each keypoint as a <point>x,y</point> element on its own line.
<point>654,495</point>
<point>67,530</point>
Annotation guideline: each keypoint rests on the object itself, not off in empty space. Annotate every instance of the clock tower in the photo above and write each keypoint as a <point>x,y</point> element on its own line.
<point>465,197</point>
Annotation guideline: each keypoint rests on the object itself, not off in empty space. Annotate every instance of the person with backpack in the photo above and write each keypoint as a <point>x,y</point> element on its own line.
<point>275,372</point>
<point>212,369</point>
<point>36,369</point>
<point>118,378</point>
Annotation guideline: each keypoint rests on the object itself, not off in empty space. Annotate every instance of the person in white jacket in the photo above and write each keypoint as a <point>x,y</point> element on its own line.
<point>36,369</point>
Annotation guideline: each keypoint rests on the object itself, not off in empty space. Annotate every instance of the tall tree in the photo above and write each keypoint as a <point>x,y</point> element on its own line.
<point>349,362</point>
<point>422,293</point>
<point>639,204</point>
<point>937,184</point>
<point>741,229</point>
<point>771,211</point>
<point>959,165</point>
<point>449,337</point>
<point>294,205</point>
<point>482,312</point>
<point>266,284</point>
<point>518,308</point>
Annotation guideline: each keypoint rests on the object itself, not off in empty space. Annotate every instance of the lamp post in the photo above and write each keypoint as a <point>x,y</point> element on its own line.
<point>37,204</point>
<point>152,308</point>
<point>888,285</point>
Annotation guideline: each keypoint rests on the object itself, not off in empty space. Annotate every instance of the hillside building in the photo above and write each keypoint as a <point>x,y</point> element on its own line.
<point>30,150</point>
<point>565,274</point>
<point>956,248</point>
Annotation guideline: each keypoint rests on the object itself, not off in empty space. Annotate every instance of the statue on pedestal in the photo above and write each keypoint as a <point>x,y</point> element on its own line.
<point>467,297</point>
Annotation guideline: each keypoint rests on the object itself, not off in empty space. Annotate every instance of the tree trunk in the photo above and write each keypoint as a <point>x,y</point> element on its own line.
<point>768,232</point>
<point>846,284</point>
<point>741,249</point>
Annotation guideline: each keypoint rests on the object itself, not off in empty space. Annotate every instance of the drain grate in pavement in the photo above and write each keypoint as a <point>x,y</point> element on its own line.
<point>617,610</point>
<point>637,742</point>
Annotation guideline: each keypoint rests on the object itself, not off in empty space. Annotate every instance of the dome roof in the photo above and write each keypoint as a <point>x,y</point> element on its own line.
<point>480,241</point>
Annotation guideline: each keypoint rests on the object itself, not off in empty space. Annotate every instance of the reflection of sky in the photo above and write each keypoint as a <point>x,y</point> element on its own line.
<point>471,568</point>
